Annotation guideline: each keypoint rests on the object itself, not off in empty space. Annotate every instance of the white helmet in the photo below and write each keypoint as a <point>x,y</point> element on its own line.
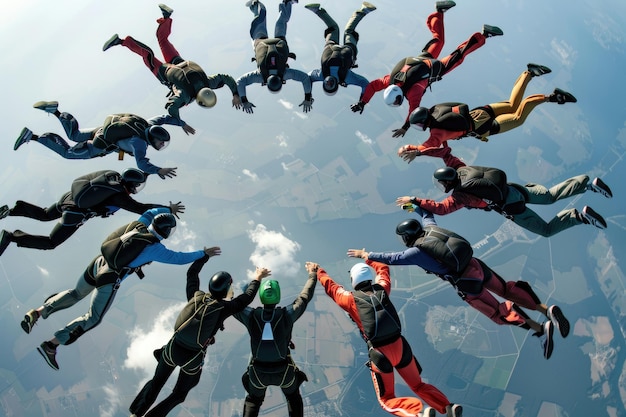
<point>391,95</point>
<point>361,272</point>
<point>206,98</point>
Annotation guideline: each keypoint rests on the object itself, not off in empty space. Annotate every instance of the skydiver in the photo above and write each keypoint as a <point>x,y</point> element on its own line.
<point>271,55</point>
<point>112,192</point>
<point>338,60</point>
<point>470,190</point>
<point>194,331</point>
<point>376,318</point>
<point>447,121</point>
<point>186,80</point>
<point>475,283</point>
<point>104,280</point>
<point>411,76</point>
<point>270,328</point>
<point>123,133</point>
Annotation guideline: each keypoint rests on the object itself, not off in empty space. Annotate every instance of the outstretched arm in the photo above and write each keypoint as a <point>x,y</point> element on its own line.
<point>167,119</point>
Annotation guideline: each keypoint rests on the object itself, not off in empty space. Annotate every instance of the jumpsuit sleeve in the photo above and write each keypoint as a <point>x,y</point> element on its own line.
<point>352,78</point>
<point>382,274</point>
<point>220,80</point>
<point>140,147</point>
<point>374,86</point>
<point>252,77</point>
<point>126,202</point>
<point>166,119</point>
<point>300,303</point>
<point>239,303</point>
<point>193,276</point>
<point>297,75</point>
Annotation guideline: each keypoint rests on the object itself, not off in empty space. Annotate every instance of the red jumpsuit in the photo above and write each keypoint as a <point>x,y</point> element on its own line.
<point>414,94</point>
<point>397,353</point>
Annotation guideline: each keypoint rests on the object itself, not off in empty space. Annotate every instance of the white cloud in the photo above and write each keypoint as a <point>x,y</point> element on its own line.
<point>43,271</point>
<point>564,52</point>
<point>113,401</point>
<point>250,174</point>
<point>183,238</point>
<point>274,251</point>
<point>282,140</point>
<point>286,104</point>
<point>139,353</point>
<point>364,137</point>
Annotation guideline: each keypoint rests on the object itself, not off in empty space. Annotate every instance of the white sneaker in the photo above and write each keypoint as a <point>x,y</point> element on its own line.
<point>546,339</point>
<point>427,412</point>
<point>590,216</point>
<point>598,186</point>
<point>557,318</point>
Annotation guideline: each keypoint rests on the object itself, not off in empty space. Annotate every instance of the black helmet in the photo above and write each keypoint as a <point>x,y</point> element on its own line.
<point>155,133</point>
<point>274,83</point>
<point>409,231</point>
<point>446,178</point>
<point>133,180</point>
<point>330,85</point>
<point>219,284</point>
<point>163,225</point>
<point>419,117</point>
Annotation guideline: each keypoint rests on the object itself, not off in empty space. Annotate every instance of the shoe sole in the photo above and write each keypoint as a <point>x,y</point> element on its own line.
<point>540,69</point>
<point>20,139</point>
<point>26,325</point>
<point>4,243</point>
<point>594,218</point>
<point>598,185</point>
<point>47,106</point>
<point>4,212</point>
<point>110,43</point>
<point>547,351</point>
<point>559,320</point>
<point>47,359</point>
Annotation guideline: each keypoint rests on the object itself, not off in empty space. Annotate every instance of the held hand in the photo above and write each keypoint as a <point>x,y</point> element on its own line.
<point>247,107</point>
<point>401,201</point>
<point>307,105</point>
<point>176,208</point>
<point>189,130</point>
<point>358,107</point>
<point>236,102</point>
<point>311,267</point>
<point>213,251</point>
<point>408,154</point>
<point>262,273</point>
<point>396,133</point>
<point>357,253</point>
<point>167,172</point>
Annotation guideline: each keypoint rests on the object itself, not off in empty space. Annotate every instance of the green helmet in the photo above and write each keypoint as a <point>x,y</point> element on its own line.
<point>270,292</point>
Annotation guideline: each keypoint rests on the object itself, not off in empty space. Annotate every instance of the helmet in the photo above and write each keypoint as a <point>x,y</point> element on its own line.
<point>133,180</point>
<point>419,117</point>
<point>206,98</point>
<point>274,83</point>
<point>393,96</point>
<point>159,133</point>
<point>360,273</point>
<point>446,178</point>
<point>330,85</point>
<point>163,225</point>
<point>269,293</point>
<point>409,231</point>
<point>219,284</point>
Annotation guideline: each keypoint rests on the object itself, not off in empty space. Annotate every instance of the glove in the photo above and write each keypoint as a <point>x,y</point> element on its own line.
<point>247,107</point>
<point>307,105</point>
<point>396,133</point>
<point>358,107</point>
